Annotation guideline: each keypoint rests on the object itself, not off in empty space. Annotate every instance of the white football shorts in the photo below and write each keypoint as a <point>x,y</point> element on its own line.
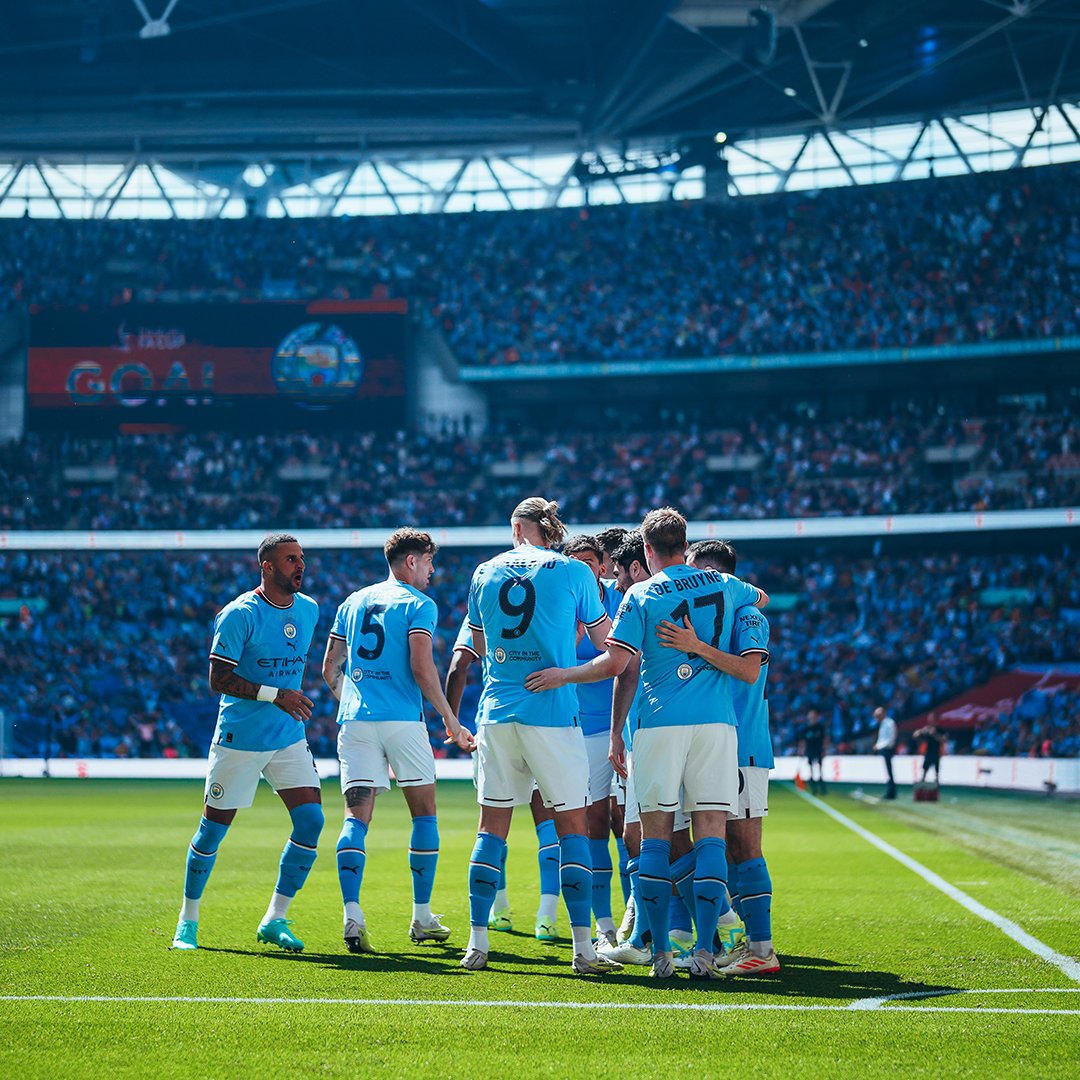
<point>233,775</point>
<point>695,766</point>
<point>753,792</point>
<point>369,749</point>
<point>632,812</point>
<point>512,756</point>
<point>601,771</point>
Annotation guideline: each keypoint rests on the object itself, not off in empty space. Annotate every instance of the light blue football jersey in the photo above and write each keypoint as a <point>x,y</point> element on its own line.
<point>528,603</point>
<point>751,701</point>
<point>375,623</point>
<point>594,699</point>
<point>677,688</point>
<point>269,646</point>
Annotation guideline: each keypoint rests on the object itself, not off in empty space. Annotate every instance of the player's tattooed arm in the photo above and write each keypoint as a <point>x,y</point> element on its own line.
<point>333,665</point>
<point>224,680</point>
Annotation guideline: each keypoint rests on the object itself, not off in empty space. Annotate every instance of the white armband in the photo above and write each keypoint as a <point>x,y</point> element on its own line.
<point>267,693</point>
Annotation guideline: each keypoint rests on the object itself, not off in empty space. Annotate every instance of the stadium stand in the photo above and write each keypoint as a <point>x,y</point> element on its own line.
<point>912,460</point>
<point>948,260</point>
<point>847,634</point>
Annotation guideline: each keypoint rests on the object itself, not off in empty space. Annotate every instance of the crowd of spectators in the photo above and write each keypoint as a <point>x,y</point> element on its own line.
<point>108,654</point>
<point>796,467</point>
<point>951,260</point>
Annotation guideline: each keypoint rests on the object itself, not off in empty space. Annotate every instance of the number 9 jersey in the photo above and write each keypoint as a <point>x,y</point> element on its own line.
<point>679,688</point>
<point>528,602</point>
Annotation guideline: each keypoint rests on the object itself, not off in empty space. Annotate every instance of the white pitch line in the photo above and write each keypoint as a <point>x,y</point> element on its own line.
<point>910,995</point>
<point>650,1006</point>
<point>1065,964</point>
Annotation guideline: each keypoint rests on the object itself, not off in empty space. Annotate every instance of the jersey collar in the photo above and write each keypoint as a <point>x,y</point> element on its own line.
<point>266,599</point>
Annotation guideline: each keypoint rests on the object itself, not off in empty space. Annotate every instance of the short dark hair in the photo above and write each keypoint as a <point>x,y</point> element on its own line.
<point>611,539</point>
<point>583,542</point>
<point>664,530</point>
<point>402,543</point>
<point>714,554</point>
<point>631,550</point>
<point>272,542</point>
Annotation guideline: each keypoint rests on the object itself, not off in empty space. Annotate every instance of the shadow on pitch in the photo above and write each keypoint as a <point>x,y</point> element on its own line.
<point>436,959</point>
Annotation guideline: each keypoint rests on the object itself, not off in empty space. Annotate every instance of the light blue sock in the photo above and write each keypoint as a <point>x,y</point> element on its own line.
<point>351,859</point>
<point>601,878</point>
<point>710,884</point>
<point>575,877</point>
<point>487,857</point>
<point>548,856</point>
<point>201,856</point>
<point>624,874</point>
<point>502,869</point>
<point>755,887</point>
<point>423,855</point>
<point>301,849</point>
<point>733,889</point>
<point>655,887</point>
<point>682,877</point>
<point>679,917</point>
<point>640,937</point>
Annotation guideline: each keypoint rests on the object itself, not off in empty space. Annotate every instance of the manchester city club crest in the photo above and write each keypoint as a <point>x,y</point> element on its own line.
<point>290,630</point>
<point>216,791</point>
<point>357,674</point>
<point>500,655</point>
<point>685,671</point>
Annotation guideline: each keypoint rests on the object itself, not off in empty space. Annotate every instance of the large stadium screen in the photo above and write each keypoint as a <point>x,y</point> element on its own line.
<point>177,362</point>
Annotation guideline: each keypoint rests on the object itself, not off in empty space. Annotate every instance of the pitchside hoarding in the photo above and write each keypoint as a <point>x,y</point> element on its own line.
<point>146,362</point>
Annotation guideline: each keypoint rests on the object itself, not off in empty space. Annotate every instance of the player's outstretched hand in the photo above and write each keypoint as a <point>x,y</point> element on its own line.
<point>456,735</point>
<point>549,679</point>
<point>294,703</point>
<point>617,754</point>
<point>682,638</point>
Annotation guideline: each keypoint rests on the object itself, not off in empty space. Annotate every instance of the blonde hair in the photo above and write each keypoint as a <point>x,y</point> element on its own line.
<point>545,515</point>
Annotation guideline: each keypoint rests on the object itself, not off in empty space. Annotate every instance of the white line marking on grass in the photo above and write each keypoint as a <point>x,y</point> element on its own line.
<point>876,1002</point>
<point>649,1006</point>
<point>1065,964</point>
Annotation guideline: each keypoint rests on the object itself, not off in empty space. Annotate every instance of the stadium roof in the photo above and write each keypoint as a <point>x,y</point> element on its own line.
<point>101,78</point>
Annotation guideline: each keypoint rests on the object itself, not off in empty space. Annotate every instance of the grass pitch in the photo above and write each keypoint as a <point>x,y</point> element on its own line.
<point>90,889</point>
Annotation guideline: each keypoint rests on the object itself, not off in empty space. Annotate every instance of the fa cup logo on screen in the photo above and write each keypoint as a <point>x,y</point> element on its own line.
<point>319,362</point>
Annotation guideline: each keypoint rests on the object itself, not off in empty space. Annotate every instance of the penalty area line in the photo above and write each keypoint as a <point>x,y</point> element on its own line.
<point>1065,964</point>
<point>649,1006</point>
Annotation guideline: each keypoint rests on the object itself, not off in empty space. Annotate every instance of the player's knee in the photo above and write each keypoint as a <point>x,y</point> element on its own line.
<point>308,821</point>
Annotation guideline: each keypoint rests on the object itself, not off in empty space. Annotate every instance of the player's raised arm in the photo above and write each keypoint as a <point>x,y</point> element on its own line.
<point>427,678</point>
<point>684,639</point>
<point>605,666</point>
<point>333,665</point>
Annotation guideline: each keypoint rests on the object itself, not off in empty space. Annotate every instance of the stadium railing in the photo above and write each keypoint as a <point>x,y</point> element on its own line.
<point>1057,775</point>
<point>496,536</point>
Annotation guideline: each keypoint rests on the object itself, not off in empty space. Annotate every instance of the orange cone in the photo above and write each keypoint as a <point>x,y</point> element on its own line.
<point>800,783</point>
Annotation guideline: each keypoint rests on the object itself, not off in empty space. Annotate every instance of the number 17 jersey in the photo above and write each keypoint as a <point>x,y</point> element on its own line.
<point>528,603</point>
<point>678,688</point>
